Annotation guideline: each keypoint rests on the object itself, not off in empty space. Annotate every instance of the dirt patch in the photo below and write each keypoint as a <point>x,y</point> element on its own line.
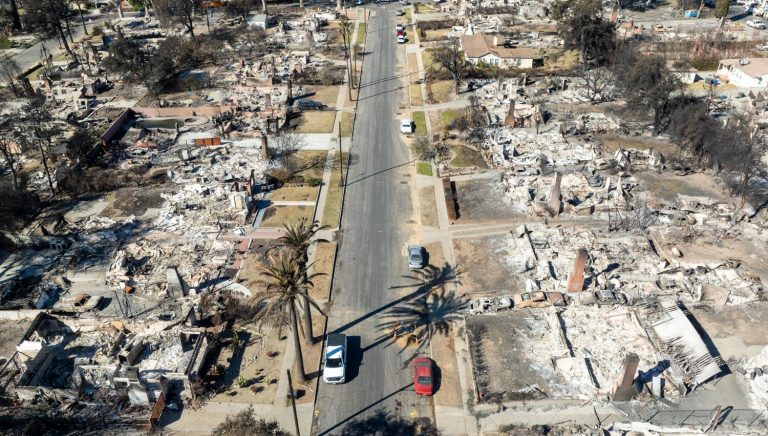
<point>444,355</point>
<point>443,91</point>
<point>413,64</point>
<point>276,216</point>
<point>312,161</point>
<point>317,122</point>
<point>294,193</point>
<point>435,252</point>
<point>612,142</point>
<point>416,99</point>
<point>737,331</point>
<point>428,207</point>
<point>249,274</point>
<point>484,200</point>
<point>327,95</point>
<point>508,361</point>
<point>250,372</point>
<point>668,186</point>
<point>485,262</point>
<point>324,256</point>
<point>132,202</point>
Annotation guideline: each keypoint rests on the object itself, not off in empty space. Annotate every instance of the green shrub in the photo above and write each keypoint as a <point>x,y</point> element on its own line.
<point>5,43</point>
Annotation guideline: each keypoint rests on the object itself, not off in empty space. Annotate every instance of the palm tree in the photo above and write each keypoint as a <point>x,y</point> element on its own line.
<point>297,240</point>
<point>286,283</point>
<point>421,318</point>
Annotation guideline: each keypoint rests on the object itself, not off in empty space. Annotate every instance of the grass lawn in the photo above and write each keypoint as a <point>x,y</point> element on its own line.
<point>313,162</point>
<point>316,122</point>
<point>333,196</point>
<point>420,122</point>
<point>466,158</point>
<point>436,34</point>
<point>443,91</point>
<point>361,29</point>
<point>428,207</point>
<point>447,117</point>
<point>413,65</point>
<point>35,74</point>
<point>347,118</point>
<point>416,99</point>
<point>426,57</point>
<point>326,95</point>
<point>323,264</point>
<point>294,193</point>
<point>424,168</point>
<point>276,216</point>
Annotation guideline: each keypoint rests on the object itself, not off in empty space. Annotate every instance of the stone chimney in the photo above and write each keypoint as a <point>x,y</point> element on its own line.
<point>264,148</point>
<point>510,119</point>
<point>495,40</point>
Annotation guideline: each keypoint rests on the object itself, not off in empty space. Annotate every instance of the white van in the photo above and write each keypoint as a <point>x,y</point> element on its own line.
<point>406,126</point>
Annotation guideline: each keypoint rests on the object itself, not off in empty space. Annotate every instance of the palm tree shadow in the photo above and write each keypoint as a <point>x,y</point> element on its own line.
<point>412,324</point>
<point>425,281</point>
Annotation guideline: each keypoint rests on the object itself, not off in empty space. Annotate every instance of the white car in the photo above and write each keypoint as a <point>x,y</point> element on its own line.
<point>399,28</point>
<point>401,39</point>
<point>756,23</point>
<point>406,126</point>
<point>335,359</point>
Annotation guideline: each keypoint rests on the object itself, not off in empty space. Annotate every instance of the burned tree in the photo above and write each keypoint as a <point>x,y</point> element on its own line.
<point>10,148</point>
<point>181,12</point>
<point>48,18</point>
<point>427,149</point>
<point>596,84</point>
<point>582,27</point>
<point>452,59</point>
<point>647,85</point>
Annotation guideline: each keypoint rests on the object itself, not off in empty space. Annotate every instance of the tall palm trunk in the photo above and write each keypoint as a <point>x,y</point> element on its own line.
<point>309,335</point>
<point>297,345</point>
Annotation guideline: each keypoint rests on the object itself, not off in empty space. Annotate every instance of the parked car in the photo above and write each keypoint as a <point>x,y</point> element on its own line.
<point>401,39</point>
<point>358,2</point>
<point>400,12</point>
<point>399,27</point>
<point>763,47</point>
<point>309,105</point>
<point>416,256</point>
<point>78,304</point>
<point>756,23</point>
<point>400,33</point>
<point>335,359</point>
<point>423,376</point>
<point>406,126</point>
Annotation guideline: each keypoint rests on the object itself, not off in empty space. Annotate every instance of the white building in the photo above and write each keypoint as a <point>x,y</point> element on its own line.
<point>481,48</point>
<point>744,72</point>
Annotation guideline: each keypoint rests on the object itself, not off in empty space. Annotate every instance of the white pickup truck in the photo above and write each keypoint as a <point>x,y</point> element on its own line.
<point>756,23</point>
<point>335,359</point>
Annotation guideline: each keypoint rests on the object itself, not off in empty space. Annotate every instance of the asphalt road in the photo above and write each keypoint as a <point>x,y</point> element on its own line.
<point>371,257</point>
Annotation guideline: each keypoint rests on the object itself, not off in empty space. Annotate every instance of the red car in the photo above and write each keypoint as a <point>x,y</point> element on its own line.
<point>423,377</point>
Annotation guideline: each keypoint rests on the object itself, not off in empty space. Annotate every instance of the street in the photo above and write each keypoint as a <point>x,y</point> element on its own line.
<point>371,257</point>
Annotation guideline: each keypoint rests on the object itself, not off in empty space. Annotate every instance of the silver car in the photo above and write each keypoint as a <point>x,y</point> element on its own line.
<point>416,256</point>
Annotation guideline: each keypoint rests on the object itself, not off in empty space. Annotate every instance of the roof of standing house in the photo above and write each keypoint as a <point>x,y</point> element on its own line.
<point>754,67</point>
<point>479,45</point>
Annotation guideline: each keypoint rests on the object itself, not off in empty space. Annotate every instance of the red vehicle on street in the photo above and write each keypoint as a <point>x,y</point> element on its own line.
<point>423,376</point>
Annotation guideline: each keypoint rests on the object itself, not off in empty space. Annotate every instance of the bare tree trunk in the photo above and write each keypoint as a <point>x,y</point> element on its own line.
<point>63,39</point>
<point>191,26</point>
<point>297,345</point>
<point>44,158</point>
<point>10,161</point>
<point>82,19</point>
<point>309,335</point>
<point>16,19</point>
<point>263,6</point>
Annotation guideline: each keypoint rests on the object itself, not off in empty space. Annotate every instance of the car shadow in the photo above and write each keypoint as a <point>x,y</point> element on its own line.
<point>354,357</point>
<point>437,373</point>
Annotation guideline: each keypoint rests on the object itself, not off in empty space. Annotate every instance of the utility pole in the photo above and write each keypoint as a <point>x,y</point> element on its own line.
<point>341,159</point>
<point>293,402</point>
